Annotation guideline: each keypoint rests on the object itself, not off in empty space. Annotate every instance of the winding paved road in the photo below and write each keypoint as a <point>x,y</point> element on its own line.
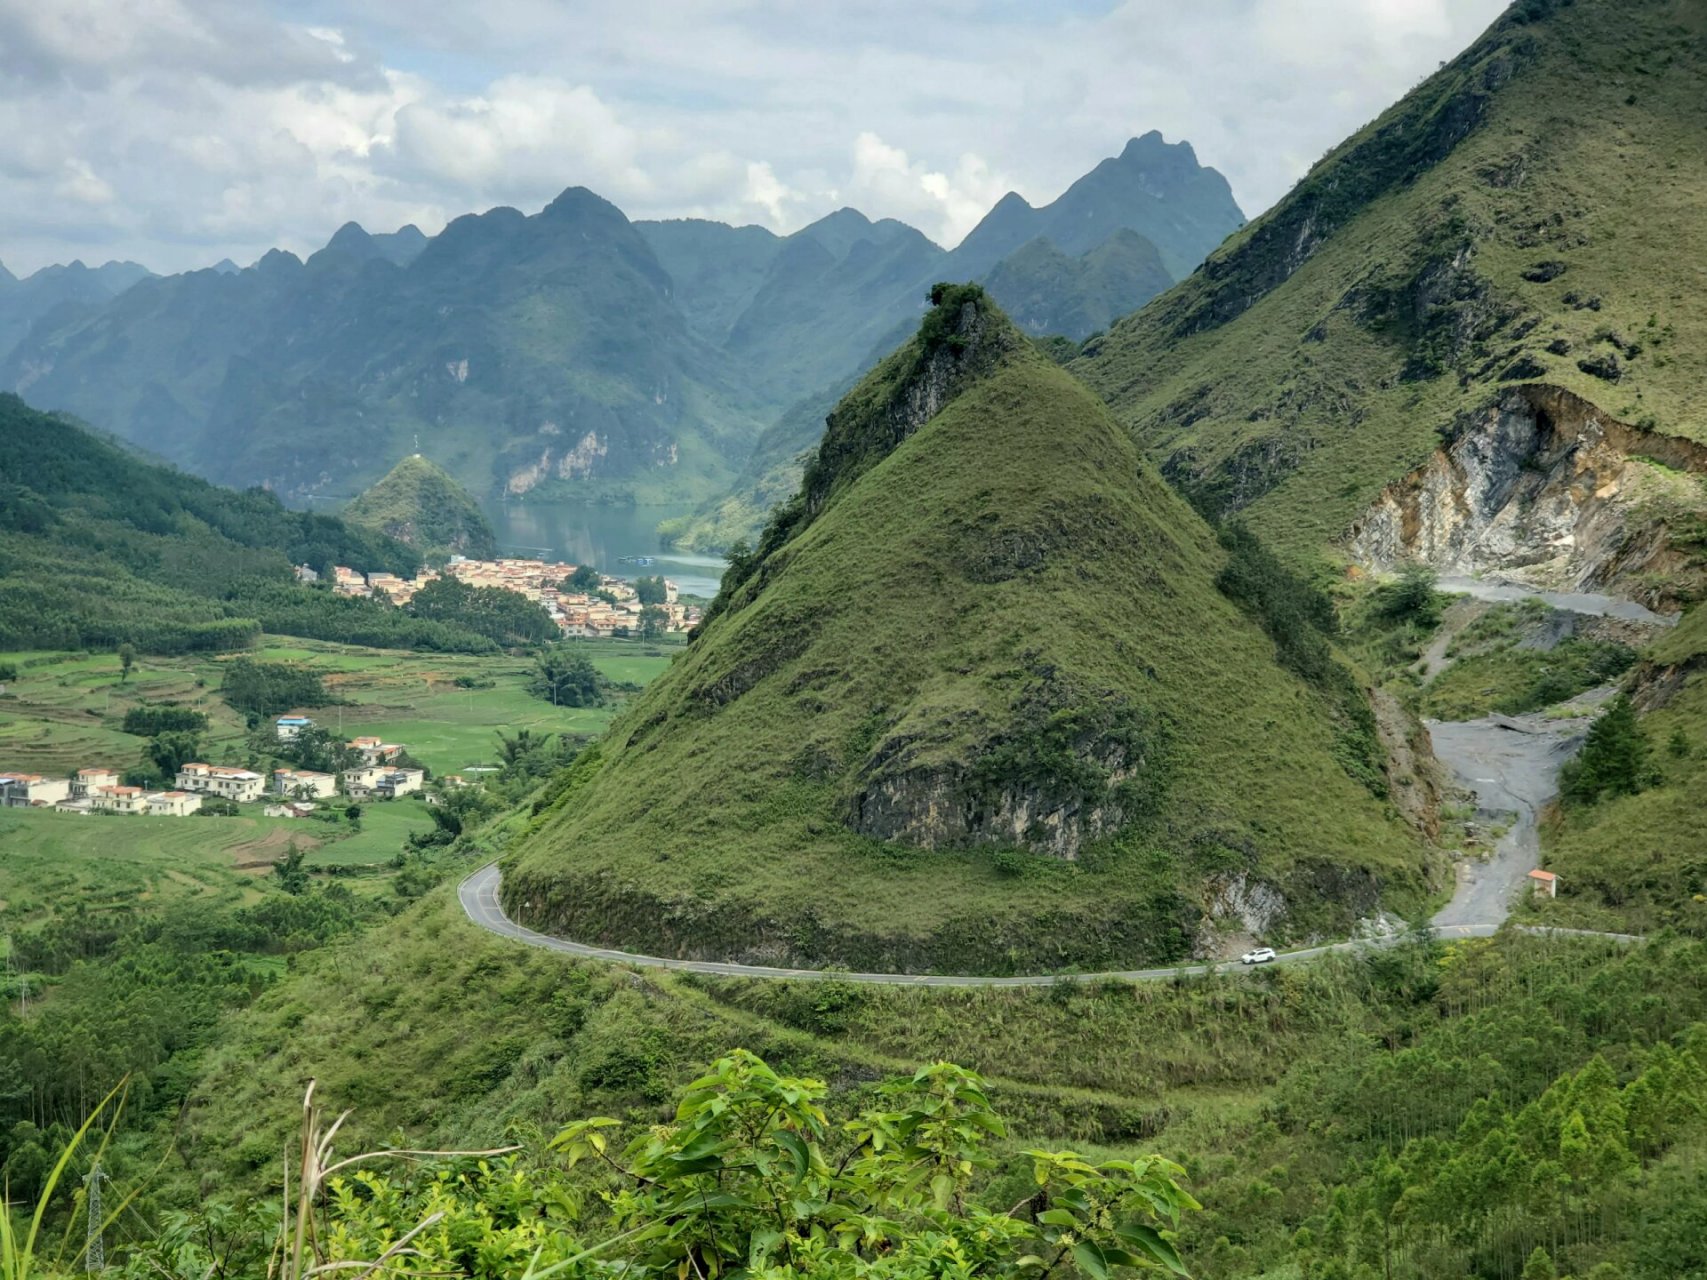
<point>1511,762</point>
<point>479,897</point>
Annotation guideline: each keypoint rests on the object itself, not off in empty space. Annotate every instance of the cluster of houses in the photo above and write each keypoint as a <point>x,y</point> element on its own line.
<point>99,790</point>
<point>377,777</point>
<point>577,613</point>
<point>95,790</point>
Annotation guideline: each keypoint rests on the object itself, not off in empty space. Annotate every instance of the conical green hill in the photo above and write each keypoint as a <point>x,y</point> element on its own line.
<point>418,502</point>
<point>975,705</point>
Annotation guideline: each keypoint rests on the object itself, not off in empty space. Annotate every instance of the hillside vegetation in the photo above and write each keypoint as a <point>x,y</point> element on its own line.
<point>975,703</point>
<point>1364,1113</point>
<point>99,548</point>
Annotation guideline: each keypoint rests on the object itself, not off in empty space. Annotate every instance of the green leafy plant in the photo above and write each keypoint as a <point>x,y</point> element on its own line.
<point>753,1178</point>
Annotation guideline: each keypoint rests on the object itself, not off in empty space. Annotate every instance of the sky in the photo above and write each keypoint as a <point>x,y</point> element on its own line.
<point>179,132</point>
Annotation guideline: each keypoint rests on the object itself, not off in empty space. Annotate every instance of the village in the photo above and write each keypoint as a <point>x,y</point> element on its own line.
<point>293,793</point>
<point>607,607</point>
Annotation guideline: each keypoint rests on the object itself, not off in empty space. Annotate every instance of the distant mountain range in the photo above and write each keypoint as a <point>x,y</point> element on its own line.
<point>60,295</point>
<point>571,352</point>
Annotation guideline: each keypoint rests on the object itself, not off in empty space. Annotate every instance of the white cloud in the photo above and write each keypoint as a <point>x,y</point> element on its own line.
<point>766,191</point>
<point>206,128</point>
<point>943,205</point>
<point>83,185</point>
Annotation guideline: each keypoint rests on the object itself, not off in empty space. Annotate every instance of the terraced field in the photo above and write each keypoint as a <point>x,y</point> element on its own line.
<point>102,863</point>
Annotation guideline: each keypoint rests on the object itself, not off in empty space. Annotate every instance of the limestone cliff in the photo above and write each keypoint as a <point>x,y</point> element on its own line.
<point>1547,488</point>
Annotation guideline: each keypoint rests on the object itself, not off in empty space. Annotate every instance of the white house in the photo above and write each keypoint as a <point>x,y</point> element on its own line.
<point>374,750</point>
<point>290,809</point>
<point>174,804</point>
<point>133,800</point>
<point>86,782</point>
<point>21,790</point>
<point>298,784</point>
<point>377,782</point>
<point>230,784</point>
<point>287,727</point>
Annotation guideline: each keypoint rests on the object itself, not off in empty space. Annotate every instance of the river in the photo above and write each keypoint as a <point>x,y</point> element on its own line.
<point>601,535</point>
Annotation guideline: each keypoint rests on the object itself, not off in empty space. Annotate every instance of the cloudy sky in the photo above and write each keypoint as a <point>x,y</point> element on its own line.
<point>177,132</point>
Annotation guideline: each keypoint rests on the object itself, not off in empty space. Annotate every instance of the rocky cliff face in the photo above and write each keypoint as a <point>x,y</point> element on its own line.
<point>859,434</point>
<point>1547,488</point>
<point>1067,772</point>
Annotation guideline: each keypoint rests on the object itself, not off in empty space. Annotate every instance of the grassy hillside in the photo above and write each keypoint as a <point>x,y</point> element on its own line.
<point>1520,217</point>
<point>1636,861</point>
<point>420,504</point>
<point>976,703</point>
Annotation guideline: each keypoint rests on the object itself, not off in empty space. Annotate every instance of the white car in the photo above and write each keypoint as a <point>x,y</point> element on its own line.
<point>1262,955</point>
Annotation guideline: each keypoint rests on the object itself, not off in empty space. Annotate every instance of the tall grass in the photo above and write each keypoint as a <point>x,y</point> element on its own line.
<point>18,1257</point>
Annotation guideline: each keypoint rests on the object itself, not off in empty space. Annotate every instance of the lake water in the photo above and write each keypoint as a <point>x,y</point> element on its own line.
<point>600,535</point>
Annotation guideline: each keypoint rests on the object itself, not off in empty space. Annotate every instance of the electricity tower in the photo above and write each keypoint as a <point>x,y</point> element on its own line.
<point>94,1250</point>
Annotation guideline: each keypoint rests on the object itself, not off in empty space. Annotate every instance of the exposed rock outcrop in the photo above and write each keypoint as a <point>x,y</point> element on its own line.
<point>1075,765</point>
<point>1547,488</point>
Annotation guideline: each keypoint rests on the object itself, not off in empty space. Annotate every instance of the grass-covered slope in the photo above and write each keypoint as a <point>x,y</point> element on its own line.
<point>975,703</point>
<point>1531,213</point>
<point>419,503</point>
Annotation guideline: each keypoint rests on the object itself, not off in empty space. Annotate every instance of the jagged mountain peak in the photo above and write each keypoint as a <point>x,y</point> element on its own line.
<point>1152,146</point>
<point>351,235</point>
<point>580,203</point>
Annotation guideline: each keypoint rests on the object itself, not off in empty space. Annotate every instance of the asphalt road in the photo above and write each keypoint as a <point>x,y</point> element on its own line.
<point>479,897</point>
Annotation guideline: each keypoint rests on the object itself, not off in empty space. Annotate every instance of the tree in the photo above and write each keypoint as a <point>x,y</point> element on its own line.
<point>651,590</point>
<point>653,622</point>
<point>293,878</point>
<point>171,751</point>
<point>584,579</point>
<point>353,813</point>
<point>1540,1266</point>
<point>270,688</point>
<point>1614,760</point>
<point>505,616</point>
<point>127,660</point>
<point>565,677</point>
<point>1413,598</point>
